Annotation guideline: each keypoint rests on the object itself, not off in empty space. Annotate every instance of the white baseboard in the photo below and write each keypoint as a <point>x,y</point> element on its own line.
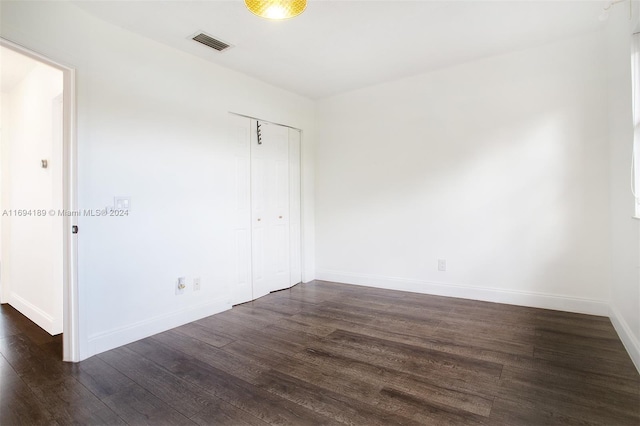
<point>629,340</point>
<point>35,314</point>
<point>110,339</point>
<point>511,297</point>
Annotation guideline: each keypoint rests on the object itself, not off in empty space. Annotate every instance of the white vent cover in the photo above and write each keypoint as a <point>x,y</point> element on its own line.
<point>213,43</point>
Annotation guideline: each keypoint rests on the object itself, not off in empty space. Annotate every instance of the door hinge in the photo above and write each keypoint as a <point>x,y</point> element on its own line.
<point>74,229</point>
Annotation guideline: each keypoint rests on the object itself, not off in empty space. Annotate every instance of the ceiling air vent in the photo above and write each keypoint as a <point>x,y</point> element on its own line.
<point>211,42</point>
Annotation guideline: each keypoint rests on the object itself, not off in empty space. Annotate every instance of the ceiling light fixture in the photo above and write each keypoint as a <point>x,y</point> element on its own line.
<point>276,9</point>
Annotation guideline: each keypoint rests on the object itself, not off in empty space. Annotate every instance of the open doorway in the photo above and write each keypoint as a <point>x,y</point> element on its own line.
<point>37,250</point>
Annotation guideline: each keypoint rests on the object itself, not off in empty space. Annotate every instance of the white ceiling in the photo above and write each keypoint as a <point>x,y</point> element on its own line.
<point>13,68</point>
<point>337,46</point>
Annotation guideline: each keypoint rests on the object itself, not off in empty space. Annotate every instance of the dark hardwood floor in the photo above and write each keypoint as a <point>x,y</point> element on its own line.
<point>325,353</point>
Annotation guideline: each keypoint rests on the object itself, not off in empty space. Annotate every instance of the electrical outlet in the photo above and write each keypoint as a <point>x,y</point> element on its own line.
<point>442,265</point>
<point>181,285</point>
<point>196,284</point>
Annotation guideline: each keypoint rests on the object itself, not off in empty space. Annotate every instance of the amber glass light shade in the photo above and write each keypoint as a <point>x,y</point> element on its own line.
<point>276,9</point>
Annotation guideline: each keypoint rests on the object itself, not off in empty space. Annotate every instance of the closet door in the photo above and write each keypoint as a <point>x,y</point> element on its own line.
<point>270,209</point>
<point>239,145</point>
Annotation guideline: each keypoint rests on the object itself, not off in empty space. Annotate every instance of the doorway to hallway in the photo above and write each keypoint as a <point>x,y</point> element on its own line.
<point>37,188</point>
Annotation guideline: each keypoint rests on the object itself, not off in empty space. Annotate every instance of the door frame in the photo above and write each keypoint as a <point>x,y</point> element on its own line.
<point>302,199</point>
<point>70,304</point>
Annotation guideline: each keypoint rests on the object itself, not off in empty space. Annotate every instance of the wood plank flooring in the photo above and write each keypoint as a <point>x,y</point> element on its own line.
<point>326,353</point>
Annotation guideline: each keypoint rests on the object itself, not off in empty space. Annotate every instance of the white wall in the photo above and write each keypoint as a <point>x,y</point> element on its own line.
<point>625,283</point>
<point>152,125</point>
<point>32,245</point>
<point>498,166</point>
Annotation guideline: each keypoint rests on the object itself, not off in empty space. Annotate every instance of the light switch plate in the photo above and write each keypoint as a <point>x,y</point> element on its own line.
<point>122,203</point>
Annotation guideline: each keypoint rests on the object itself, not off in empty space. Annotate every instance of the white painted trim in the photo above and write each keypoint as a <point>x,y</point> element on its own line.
<point>71,305</point>
<point>263,120</point>
<point>34,313</point>
<point>70,319</point>
<point>488,294</point>
<point>305,274</point>
<point>630,342</point>
<point>110,339</point>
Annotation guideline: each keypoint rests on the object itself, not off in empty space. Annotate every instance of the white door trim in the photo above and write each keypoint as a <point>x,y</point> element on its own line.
<point>264,121</point>
<point>71,347</point>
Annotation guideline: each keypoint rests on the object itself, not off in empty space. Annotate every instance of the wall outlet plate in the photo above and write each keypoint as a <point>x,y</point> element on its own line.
<point>196,284</point>
<point>181,285</point>
<point>442,265</point>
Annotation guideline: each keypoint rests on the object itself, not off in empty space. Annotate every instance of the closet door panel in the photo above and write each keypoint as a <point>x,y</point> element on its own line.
<point>241,278</point>
<point>270,209</point>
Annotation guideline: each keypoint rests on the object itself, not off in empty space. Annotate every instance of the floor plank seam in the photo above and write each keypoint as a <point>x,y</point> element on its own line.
<point>212,394</point>
<point>142,385</point>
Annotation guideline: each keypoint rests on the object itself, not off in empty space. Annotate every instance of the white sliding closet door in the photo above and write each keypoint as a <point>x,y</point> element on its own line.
<point>239,141</point>
<point>270,210</point>
<point>266,209</point>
